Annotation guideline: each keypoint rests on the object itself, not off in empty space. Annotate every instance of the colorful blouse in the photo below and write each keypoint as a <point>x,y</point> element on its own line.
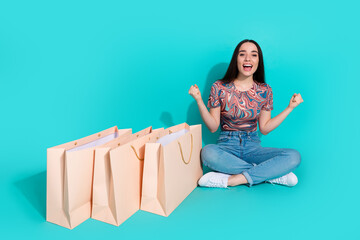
<point>240,109</point>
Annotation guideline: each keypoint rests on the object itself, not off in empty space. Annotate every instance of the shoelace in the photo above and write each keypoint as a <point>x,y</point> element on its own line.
<point>282,180</point>
<point>215,182</point>
<point>289,179</point>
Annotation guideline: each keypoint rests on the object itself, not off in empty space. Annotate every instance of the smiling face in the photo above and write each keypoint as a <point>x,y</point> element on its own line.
<point>247,59</point>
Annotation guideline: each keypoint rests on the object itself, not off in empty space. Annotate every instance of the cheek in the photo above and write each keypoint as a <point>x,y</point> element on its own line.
<point>256,66</point>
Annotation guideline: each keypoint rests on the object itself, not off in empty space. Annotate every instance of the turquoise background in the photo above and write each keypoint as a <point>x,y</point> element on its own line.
<point>69,69</point>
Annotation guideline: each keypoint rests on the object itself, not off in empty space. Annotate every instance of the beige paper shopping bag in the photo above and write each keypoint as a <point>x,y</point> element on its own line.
<point>172,168</point>
<point>70,176</point>
<point>118,177</point>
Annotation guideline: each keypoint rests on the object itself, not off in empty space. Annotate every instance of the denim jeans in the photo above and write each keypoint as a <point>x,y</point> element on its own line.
<point>241,152</point>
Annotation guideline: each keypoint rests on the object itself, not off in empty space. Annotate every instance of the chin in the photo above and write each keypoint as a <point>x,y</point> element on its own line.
<point>247,74</point>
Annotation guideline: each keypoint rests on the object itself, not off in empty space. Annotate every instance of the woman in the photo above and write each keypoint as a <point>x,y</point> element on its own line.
<point>237,103</point>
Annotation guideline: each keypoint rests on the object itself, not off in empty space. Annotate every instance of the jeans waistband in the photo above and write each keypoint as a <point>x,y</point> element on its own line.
<point>239,133</point>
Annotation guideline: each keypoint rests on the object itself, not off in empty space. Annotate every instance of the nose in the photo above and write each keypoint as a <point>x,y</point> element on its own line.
<point>247,57</point>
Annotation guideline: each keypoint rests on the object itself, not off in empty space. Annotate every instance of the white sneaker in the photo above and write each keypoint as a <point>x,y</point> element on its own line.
<point>214,179</point>
<point>289,180</point>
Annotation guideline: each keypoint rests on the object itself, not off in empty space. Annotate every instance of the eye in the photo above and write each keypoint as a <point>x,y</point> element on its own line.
<point>241,54</point>
<point>254,55</point>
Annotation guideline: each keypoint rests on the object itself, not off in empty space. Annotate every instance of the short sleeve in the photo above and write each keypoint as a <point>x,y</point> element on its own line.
<point>214,99</point>
<point>268,106</point>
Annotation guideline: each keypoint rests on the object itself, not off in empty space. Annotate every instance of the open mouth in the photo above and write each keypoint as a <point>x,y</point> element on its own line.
<point>247,67</point>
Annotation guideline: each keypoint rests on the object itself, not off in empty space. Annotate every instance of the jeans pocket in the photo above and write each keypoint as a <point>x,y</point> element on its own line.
<point>255,139</point>
<point>223,139</point>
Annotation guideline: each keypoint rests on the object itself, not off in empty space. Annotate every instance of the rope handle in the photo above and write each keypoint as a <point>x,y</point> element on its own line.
<point>140,159</point>
<point>133,148</point>
<point>182,155</point>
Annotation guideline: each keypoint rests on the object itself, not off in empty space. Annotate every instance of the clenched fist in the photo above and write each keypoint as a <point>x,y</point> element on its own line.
<point>295,100</point>
<point>195,92</point>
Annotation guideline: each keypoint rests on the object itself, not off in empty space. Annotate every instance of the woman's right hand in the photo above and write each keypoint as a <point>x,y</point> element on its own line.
<point>212,118</point>
<point>195,92</point>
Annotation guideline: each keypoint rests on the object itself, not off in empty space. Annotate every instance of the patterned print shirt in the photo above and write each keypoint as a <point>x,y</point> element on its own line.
<point>240,109</point>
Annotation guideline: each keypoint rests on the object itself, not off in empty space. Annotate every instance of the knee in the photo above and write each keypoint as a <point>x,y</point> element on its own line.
<point>294,157</point>
<point>208,153</point>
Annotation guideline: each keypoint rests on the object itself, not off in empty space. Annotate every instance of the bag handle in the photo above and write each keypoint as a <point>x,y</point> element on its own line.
<point>182,155</point>
<point>133,148</point>
<point>152,137</point>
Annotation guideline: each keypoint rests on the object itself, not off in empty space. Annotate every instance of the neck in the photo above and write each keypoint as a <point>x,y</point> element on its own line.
<point>244,80</point>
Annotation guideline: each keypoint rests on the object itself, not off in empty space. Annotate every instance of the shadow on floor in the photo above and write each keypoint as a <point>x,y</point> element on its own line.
<point>167,119</point>
<point>34,190</point>
<point>193,114</point>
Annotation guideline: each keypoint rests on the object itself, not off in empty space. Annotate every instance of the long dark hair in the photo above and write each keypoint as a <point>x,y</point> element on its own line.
<point>233,70</point>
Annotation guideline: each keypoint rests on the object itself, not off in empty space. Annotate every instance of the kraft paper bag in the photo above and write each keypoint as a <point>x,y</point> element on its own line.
<point>70,176</point>
<point>118,177</point>
<point>172,168</point>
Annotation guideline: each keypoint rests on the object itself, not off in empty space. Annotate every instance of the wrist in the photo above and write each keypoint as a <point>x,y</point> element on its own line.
<point>290,108</point>
<point>198,100</point>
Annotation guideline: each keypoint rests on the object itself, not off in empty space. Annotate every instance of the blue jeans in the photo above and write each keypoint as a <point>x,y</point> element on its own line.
<point>240,152</point>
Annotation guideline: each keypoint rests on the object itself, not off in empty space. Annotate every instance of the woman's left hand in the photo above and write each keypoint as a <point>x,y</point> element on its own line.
<point>295,100</point>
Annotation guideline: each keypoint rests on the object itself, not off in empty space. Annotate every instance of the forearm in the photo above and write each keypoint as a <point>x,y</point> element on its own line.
<point>275,121</point>
<point>208,119</point>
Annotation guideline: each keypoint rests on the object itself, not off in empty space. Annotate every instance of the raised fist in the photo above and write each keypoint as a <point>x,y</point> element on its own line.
<point>195,92</point>
<point>295,100</point>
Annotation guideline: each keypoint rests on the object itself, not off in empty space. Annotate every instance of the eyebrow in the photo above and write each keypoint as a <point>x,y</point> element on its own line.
<point>245,51</point>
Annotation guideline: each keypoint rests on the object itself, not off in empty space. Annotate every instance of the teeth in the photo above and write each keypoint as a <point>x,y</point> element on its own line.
<point>247,66</point>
